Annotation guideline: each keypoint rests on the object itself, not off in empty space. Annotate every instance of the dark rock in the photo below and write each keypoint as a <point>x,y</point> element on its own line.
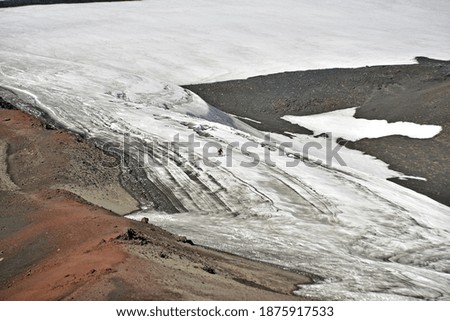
<point>342,141</point>
<point>49,126</point>
<point>17,3</point>
<point>132,235</point>
<point>209,269</point>
<point>183,239</point>
<point>5,105</point>
<point>325,135</point>
<point>425,60</point>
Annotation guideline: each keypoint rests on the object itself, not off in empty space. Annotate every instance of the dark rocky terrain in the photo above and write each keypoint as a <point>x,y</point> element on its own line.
<point>18,3</point>
<point>418,93</point>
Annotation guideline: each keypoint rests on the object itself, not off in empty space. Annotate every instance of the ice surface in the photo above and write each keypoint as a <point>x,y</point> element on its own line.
<point>204,41</point>
<point>108,71</point>
<point>343,124</point>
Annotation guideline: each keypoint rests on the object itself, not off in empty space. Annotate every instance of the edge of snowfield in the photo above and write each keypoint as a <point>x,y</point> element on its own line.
<point>366,238</point>
<point>201,41</point>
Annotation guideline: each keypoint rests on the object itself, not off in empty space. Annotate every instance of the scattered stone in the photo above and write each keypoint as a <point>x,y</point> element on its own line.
<point>163,255</point>
<point>145,220</point>
<point>49,127</point>
<point>1,259</point>
<point>209,269</point>
<point>121,95</point>
<point>132,235</point>
<point>7,119</point>
<point>92,271</point>
<point>270,146</point>
<point>184,239</point>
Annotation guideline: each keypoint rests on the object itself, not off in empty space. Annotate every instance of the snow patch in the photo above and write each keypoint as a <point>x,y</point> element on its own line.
<point>342,123</point>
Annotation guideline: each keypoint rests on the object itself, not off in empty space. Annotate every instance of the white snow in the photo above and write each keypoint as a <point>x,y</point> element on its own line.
<point>202,41</point>
<point>342,123</point>
<point>108,70</point>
